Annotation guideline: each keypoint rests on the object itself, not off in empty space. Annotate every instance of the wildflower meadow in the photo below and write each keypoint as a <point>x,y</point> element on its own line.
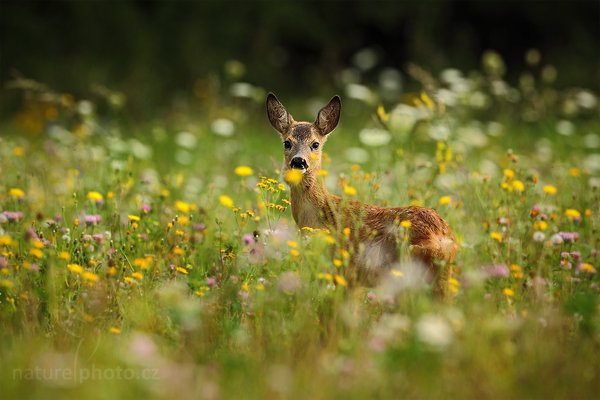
<point>161,260</point>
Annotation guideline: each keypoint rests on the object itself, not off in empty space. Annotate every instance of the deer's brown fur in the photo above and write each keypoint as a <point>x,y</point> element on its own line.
<point>375,231</point>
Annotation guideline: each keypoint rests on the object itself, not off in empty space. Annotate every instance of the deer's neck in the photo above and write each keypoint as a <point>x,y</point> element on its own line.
<point>312,205</point>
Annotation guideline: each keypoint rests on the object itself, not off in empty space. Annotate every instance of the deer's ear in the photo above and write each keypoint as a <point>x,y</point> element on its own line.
<point>278,116</point>
<point>329,116</point>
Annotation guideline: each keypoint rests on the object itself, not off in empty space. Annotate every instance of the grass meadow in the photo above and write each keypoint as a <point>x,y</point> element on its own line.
<point>160,259</point>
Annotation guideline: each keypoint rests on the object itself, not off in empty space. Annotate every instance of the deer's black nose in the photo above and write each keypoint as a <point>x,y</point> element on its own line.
<point>298,163</point>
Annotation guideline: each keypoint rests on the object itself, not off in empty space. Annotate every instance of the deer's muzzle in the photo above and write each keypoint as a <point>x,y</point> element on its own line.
<point>299,163</point>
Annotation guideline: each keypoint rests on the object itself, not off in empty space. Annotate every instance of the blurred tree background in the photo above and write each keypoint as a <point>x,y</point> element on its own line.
<point>157,52</point>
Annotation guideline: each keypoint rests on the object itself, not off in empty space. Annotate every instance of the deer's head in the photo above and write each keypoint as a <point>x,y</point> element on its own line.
<point>303,141</point>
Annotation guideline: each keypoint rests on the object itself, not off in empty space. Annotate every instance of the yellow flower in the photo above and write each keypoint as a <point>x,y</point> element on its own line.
<point>572,213</point>
<point>182,206</point>
<point>340,280</point>
<point>574,171</point>
<point>397,273</point>
<point>293,176</point>
<point>540,225</point>
<point>349,190</point>
<point>90,276</point>
<point>322,172</point>
<point>182,270</point>
<point>16,193</point>
<point>114,330</point>
<point>76,268</point>
<point>292,243</point>
<point>95,196</point>
<point>142,263</point>
<point>226,201</point>
<point>346,231</point>
<point>133,218</point>
<point>36,253</point>
<point>517,273</point>
<point>329,239</point>
<point>138,275</point>
<point>550,189</point>
<point>427,100</point>
<point>325,276</point>
<point>19,151</point>
<point>383,116</point>
<point>508,292</point>
<point>587,267</point>
<point>417,202</point>
<point>243,171</point>
<point>294,253</point>
<point>445,200</point>
<point>5,240</point>
<point>406,224</point>
<point>496,236</point>
<point>509,173</point>
<point>6,283</point>
<point>453,285</point>
<point>38,244</point>
<point>64,255</point>
<point>337,262</point>
<point>518,186</point>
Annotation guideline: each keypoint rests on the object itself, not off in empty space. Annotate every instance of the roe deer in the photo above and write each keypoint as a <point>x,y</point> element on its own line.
<point>375,231</point>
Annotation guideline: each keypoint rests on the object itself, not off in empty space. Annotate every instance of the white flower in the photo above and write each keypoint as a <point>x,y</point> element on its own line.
<point>539,236</point>
<point>241,89</point>
<point>186,139</point>
<point>586,99</point>
<point>434,330</point>
<point>85,107</point>
<point>403,118</point>
<point>359,92</point>
<point>222,127</point>
<point>374,137</point>
<point>356,155</point>
<point>450,75</point>
<point>140,150</point>
<point>565,128</point>
<point>439,131</point>
<point>365,59</point>
<point>592,162</point>
<point>556,239</point>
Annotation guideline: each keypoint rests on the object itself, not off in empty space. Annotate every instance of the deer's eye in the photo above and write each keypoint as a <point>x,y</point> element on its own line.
<point>287,145</point>
<point>315,145</point>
